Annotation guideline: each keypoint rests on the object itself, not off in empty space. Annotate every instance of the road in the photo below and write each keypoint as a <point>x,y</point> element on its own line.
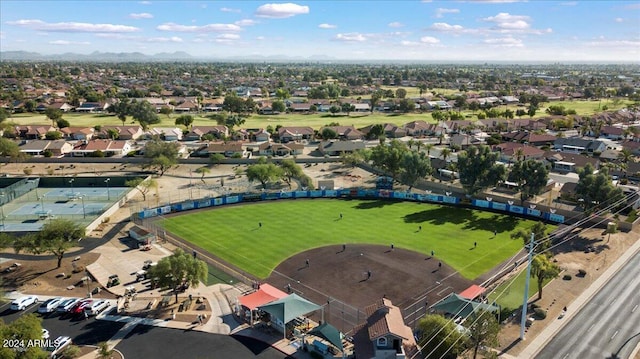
<point>607,326</point>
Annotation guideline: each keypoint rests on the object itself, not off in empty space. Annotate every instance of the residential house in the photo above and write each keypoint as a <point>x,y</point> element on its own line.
<point>438,105</point>
<point>165,133</point>
<point>345,132</point>
<point>57,148</point>
<point>300,107</point>
<point>197,132</point>
<point>34,132</point>
<point>290,133</point>
<point>418,128</point>
<point>361,107</point>
<point>510,151</point>
<point>390,130</point>
<point>279,149</point>
<point>228,149</point>
<point>633,146</point>
<point>530,138</point>
<point>262,135</point>
<point>92,107</point>
<point>566,162</point>
<point>77,133</point>
<point>212,105</point>
<point>384,334</point>
<point>107,147</point>
<point>187,106</point>
<point>463,141</point>
<point>336,148</point>
<point>124,132</point>
<point>578,145</point>
<point>62,106</point>
<point>612,133</point>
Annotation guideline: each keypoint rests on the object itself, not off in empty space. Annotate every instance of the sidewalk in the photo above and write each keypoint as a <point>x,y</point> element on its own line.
<point>554,327</point>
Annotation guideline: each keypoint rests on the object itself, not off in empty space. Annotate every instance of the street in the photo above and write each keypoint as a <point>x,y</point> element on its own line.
<point>607,326</point>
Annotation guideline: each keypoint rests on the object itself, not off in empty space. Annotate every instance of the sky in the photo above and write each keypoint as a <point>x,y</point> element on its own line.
<point>418,30</point>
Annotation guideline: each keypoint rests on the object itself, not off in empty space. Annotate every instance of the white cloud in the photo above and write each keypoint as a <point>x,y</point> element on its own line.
<point>504,20</point>
<point>569,3</point>
<point>614,43</point>
<point>504,42</point>
<point>619,19</point>
<point>228,36</point>
<point>65,42</point>
<point>245,22</point>
<point>281,11</point>
<point>327,26</point>
<point>429,40</point>
<point>144,2</point>
<point>395,24</point>
<point>441,11</point>
<point>227,9</point>
<point>1,35</point>
<point>72,26</point>
<point>142,15</point>
<point>164,39</point>
<point>192,28</point>
<point>444,27</point>
<point>351,37</point>
<point>493,1</point>
<point>260,38</point>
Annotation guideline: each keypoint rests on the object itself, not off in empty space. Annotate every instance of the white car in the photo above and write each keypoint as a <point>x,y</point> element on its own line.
<point>59,345</point>
<point>67,304</point>
<point>96,307</point>
<point>23,302</point>
<point>50,305</point>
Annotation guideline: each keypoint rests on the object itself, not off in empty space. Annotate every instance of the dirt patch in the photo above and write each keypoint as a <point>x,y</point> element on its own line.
<point>42,277</point>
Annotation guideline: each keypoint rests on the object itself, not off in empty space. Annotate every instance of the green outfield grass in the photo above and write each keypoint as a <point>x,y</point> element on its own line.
<point>510,294</point>
<point>290,227</point>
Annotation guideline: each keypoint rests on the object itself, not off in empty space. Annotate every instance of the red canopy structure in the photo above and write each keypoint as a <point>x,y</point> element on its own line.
<point>266,294</point>
<point>473,292</point>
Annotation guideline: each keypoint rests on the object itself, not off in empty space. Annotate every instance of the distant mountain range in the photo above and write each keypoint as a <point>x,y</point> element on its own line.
<point>140,57</point>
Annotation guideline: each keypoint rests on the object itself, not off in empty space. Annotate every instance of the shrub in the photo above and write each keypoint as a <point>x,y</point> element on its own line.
<point>539,313</point>
<point>48,153</point>
<point>78,269</point>
<point>567,277</point>
<point>27,171</point>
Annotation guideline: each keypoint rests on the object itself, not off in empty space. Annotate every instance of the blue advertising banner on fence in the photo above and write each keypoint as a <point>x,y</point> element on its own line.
<point>301,194</point>
<point>480,203</point>
<point>534,212</point>
<point>556,217</point>
<point>516,209</point>
<point>231,199</point>
<point>315,193</point>
<point>187,206</point>
<point>499,206</point>
<point>330,193</point>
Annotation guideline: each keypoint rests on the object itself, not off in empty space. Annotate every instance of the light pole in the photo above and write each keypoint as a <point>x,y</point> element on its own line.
<point>88,281</point>
<point>84,212</point>
<point>108,193</point>
<point>71,183</point>
<point>2,208</point>
<point>523,319</point>
<point>41,199</point>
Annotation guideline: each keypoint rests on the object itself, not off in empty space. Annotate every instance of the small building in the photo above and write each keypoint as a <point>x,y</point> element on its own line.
<point>142,235</point>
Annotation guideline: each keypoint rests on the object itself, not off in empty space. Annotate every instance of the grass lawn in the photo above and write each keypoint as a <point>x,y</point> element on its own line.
<point>510,294</point>
<point>215,276</point>
<point>294,226</point>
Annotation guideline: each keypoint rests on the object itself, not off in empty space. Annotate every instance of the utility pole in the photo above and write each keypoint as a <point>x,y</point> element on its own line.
<point>523,321</point>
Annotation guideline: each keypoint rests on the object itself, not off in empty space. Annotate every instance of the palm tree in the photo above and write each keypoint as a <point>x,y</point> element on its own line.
<point>410,143</point>
<point>428,147</point>
<point>519,154</point>
<point>445,153</point>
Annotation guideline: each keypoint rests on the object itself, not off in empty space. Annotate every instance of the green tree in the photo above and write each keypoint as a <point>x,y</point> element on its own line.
<point>401,93</point>
<point>9,148</point>
<point>27,327</point>
<point>179,269</point>
<point>234,120</point>
<point>4,114</point>
<point>53,114</point>
<point>483,329</point>
<point>542,269</point>
<point>531,177</point>
<point>278,106</point>
<point>55,237</point>
<point>375,98</point>
<point>596,189</point>
<point>329,133</point>
<point>290,170</point>
<point>142,185</point>
<point>439,337</point>
<point>144,113</point>
<point>406,105</point>
<point>121,109</point>
<point>334,109</point>
<point>162,155</point>
<point>185,120</point>
<point>53,135</point>
<point>112,133</point>
<point>216,158</point>
<point>264,173</point>
<point>539,230</point>
<point>62,123</point>
<point>166,110</point>
<point>389,157</point>
<point>347,107</point>
<point>353,159</point>
<point>103,351</point>
<point>375,132</point>
<point>415,166</point>
<point>203,171</point>
<point>478,169</point>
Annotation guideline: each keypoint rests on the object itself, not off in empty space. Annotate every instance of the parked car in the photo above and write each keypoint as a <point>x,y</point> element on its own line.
<point>148,264</point>
<point>67,304</point>
<point>141,275</point>
<point>96,307</point>
<point>113,280</point>
<point>23,303</point>
<point>50,305</point>
<point>11,268</point>
<point>79,307</point>
<point>59,345</point>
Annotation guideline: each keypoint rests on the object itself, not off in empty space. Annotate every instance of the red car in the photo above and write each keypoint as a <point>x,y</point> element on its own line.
<point>79,307</point>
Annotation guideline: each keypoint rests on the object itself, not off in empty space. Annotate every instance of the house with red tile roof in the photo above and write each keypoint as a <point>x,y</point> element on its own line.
<point>107,147</point>
<point>384,333</point>
<point>510,151</point>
